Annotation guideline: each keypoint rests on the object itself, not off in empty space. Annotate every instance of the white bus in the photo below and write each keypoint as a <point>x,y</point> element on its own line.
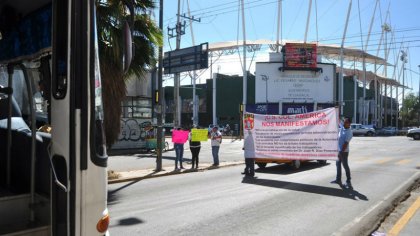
<point>53,179</point>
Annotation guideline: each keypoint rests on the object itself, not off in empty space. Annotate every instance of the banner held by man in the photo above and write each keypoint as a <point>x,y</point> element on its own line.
<point>307,136</point>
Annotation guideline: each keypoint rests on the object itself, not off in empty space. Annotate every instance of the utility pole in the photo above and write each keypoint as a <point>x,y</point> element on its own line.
<point>419,93</point>
<point>341,80</point>
<point>419,83</point>
<point>159,136</point>
<point>266,78</point>
<point>245,74</point>
<point>404,60</point>
<point>180,30</point>
<point>279,28</point>
<point>195,102</point>
<point>387,29</point>
<point>177,114</point>
<point>307,20</point>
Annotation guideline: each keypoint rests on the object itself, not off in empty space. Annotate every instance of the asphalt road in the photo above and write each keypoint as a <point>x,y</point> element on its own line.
<point>279,202</point>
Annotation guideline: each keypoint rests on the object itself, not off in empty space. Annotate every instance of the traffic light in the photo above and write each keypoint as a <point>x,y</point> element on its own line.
<point>156,96</point>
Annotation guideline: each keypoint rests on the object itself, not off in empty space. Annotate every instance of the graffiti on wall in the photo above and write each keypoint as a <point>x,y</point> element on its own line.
<point>134,134</point>
<point>130,130</point>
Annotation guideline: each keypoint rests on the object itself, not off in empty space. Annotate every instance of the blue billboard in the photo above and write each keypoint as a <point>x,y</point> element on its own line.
<point>263,108</point>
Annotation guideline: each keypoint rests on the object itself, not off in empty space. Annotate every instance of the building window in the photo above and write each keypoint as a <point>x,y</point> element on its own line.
<point>137,107</point>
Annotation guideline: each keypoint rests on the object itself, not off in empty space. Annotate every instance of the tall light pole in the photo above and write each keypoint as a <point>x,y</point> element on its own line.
<point>159,135</point>
<point>266,78</point>
<point>404,60</point>
<point>419,95</point>
<point>419,83</point>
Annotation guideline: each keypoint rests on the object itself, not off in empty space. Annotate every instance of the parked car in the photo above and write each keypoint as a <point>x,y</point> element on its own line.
<point>359,129</point>
<point>414,133</point>
<point>387,131</point>
<point>403,131</point>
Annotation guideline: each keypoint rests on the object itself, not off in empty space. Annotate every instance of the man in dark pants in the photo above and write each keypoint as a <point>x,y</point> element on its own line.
<point>249,154</point>
<point>344,136</point>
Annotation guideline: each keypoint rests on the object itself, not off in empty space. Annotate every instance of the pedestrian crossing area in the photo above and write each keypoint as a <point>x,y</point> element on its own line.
<point>406,161</point>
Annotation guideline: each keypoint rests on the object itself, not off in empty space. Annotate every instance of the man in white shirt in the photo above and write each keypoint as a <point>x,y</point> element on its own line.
<point>216,140</point>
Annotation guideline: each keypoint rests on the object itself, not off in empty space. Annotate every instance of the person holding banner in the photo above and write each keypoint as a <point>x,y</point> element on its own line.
<point>249,154</point>
<point>216,140</point>
<point>195,147</point>
<point>345,134</point>
<point>179,137</point>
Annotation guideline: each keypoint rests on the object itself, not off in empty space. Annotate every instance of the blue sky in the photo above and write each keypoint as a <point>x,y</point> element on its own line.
<point>219,22</point>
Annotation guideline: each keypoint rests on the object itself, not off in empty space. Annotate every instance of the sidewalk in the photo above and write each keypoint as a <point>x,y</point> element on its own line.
<point>136,175</point>
<point>132,167</point>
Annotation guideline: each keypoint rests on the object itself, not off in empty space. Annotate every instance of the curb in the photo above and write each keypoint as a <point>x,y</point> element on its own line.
<point>371,220</point>
<point>154,174</point>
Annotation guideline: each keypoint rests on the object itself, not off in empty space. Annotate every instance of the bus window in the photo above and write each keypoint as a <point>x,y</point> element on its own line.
<point>98,145</point>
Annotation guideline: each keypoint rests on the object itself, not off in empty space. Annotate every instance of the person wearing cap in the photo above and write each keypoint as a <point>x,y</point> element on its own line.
<point>216,140</point>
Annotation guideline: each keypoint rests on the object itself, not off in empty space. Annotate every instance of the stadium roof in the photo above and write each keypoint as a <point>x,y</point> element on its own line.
<point>328,51</point>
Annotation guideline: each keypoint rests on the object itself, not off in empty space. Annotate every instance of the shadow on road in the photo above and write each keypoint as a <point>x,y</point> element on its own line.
<point>307,188</point>
<point>130,221</point>
<point>153,156</point>
<point>113,194</point>
<point>285,169</point>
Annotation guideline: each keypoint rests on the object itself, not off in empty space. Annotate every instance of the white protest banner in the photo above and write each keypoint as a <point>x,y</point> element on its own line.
<point>308,136</point>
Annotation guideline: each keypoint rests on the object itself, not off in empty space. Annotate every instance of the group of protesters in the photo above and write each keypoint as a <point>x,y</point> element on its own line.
<point>344,136</point>
<point>216,139</point>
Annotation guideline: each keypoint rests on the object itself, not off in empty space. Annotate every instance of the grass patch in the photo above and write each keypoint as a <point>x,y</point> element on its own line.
<point>113,175</point>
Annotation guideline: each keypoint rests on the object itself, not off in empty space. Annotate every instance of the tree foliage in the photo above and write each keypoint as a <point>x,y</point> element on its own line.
<point>111,17</point>
<point>410,110</point>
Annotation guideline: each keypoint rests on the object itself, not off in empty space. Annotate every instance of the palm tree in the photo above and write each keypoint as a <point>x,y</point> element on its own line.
<point>111,17</point>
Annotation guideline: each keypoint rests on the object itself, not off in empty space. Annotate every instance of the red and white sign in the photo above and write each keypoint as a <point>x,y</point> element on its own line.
<point>307,136</point>
<point>298,55</point>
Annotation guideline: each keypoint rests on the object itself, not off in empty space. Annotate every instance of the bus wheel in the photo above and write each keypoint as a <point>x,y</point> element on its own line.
<point>295,164</point>
<point>322,162</point>
<point>261,165</point>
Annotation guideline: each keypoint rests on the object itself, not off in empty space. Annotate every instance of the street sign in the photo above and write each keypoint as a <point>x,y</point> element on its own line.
<point>186,59</point>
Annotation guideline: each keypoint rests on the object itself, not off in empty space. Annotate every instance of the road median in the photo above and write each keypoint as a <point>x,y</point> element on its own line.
<point>137,175</point>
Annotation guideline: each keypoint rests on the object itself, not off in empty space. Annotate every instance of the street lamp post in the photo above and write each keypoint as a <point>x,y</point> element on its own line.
<point>404,60</point>
<point>419,83</point>
<point>419,94</point>
<point>266,78</point>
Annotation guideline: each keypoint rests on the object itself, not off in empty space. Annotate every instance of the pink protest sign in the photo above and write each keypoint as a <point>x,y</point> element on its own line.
<point>179,136</point>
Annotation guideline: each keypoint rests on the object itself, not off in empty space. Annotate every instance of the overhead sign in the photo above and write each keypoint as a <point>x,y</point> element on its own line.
<point>300,55</point>
<point>186,59</point>
<point>294,86</point>
<point>307,136</point>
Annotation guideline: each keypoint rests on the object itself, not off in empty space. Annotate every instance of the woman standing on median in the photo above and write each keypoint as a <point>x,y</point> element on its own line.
<point>195,147</point>
<point>179,154</point>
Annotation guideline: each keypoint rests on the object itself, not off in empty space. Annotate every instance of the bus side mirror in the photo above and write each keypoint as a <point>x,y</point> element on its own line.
<point>128,36</point>
<point>128,48</point>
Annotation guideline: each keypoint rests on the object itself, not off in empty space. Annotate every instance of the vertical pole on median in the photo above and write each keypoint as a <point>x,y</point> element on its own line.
<point>177,117</point>
<point>159,137</point>
<point>341,79</point>
<point>245,74</point>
